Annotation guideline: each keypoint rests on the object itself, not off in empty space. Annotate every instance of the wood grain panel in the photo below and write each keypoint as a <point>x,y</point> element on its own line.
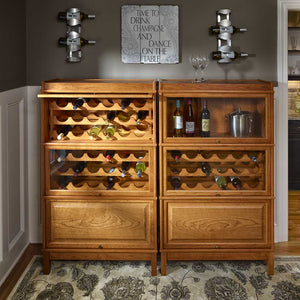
<point>203,224</point>
<point>99,224</point>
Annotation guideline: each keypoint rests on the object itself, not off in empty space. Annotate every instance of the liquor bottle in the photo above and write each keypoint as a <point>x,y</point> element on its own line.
<point>178,120</point>
<point>125,103</point>
<point>65,41</point>
<point>109,154</point>
<point>79,102</point>
<point>79,167</point>
<point>175,182</point>
<point>176,155</point>
<point>63,181</point>
<point>140,168</point>
<point>95,130</point>
<point>221,182</point>
<point>227,29</point>
<point>111,180</point>
<point>205,121</point>
<point>236,182</point>
<point>125,167</point>
<point>64,131</point>
<point>230,55</point>
<point>297,102</point>
<point>124,116</point>
<point>140,116</point>
<point>205,167</point>
<point>189,123</point>
<point>110,116</point>
<point>61,155</point>
<point>67,15</point>
<point>110,131</point>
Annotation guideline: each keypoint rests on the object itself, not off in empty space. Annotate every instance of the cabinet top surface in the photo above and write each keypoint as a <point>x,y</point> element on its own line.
<point>211,86</point>
<point>98,86</point>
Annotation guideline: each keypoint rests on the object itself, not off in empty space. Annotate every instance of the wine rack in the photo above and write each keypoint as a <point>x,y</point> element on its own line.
<point>99,157</point>
<point>216,191</point>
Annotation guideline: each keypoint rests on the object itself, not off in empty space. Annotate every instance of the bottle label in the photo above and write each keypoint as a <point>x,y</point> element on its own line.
<point>205,125</point>
<point>178,122</point>
<point>73,41</point>
<point>190,127</point>
<point>73,15</point>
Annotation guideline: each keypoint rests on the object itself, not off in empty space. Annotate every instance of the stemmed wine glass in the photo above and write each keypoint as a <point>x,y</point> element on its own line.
<point>199,61</point>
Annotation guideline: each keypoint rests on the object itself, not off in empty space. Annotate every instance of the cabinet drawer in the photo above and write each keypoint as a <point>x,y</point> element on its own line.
<point>217,223</point>
<point>100,224</point>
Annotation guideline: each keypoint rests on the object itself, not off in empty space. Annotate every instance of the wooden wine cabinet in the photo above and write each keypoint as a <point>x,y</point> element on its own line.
<point>198,219</point>
<point>99,212</point>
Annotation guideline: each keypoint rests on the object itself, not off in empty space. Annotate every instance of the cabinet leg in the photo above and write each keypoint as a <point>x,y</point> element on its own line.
<point>163,263</point>
<point>154,265</point>
<point>270,264</point>
<point>46,262</point>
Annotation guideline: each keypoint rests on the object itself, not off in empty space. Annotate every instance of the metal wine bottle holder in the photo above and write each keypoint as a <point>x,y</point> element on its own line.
<point>224,36</point>
<point>73,40</point>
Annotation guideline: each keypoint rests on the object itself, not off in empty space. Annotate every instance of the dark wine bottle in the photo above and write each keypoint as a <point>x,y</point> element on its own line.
<point>111,115</point>
<point>236,182</point>
<point>111,180</point>
<point>64,131</point>
<point>79,167</point>
<point>125,102</point>
<point>175,182</point>
<point>141,115</point>
<point>63,181</point>
<point>176,154</point>
<point>205,167</point>
<point>61,155</point>
<point>109,154</point>
<point>178,120</point>
<point>125,167</point>
<point>189,123</point>
<point>205,121</point>
<point>79,102</point>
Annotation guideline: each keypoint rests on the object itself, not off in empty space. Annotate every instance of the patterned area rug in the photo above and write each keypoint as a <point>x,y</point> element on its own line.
<point>118,280</point>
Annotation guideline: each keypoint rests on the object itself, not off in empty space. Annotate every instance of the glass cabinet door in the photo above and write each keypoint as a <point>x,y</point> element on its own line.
<point>189,172</point>
<point>215,119</point>
<point>100,171</point>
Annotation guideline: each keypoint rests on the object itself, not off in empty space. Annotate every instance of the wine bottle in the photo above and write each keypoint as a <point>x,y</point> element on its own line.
<point>205,167</point>
<point>227,29</point>
<point>139,102</point>
<point>110,131</point>
<point>66,41</point>
<point>110,116</point>
<point>140,168</point>
<point>124,154</point>
<point>297,102</point>
<point>61,155</point>
<point>95,130</point>
<point>125,167</point>
<point>79,167</point>
<point>111,180</point>
<point>140,154</point>
<point>140,116</point>
<point>176,154</point>
<point>123,116</point>
<point>178,120</point>
<point>205,121</point>
<point>125,103</point>
<point>189,123</point>
<point>253,156</point>
<point>79,102</point>
<point>63,181</point>
<point>64,131</point>
<point>236,182</point>
<point>75,14</point>
<point>109,154</point>
<point>229,56</point>
<point>175,182</point>
<point>221,182</point>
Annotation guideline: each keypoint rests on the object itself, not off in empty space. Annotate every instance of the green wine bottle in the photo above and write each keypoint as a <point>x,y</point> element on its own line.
<point>221,182</point>
<point>140,168</point>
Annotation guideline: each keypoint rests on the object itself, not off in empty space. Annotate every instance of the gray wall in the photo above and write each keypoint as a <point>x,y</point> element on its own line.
<point>13,44</point>
<point>46,60</point>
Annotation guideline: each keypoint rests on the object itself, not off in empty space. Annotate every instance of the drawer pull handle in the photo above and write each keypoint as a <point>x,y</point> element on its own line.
<point>217,247</point>
<point>100,247</point>
<point>217,141</point>
<point>217,194</point>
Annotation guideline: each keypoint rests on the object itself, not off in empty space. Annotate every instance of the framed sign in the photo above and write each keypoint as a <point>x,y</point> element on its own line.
<point>149,34</point>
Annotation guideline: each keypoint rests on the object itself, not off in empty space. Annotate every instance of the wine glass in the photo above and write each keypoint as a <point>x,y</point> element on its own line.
<point>195,62</point>
<point>204,61</point>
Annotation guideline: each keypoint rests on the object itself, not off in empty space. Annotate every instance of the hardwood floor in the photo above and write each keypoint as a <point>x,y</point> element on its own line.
<point>284,249</point>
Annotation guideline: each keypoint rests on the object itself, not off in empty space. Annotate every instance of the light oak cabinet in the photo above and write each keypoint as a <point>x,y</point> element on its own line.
<point>201,219</point>
<point>99,187</point>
